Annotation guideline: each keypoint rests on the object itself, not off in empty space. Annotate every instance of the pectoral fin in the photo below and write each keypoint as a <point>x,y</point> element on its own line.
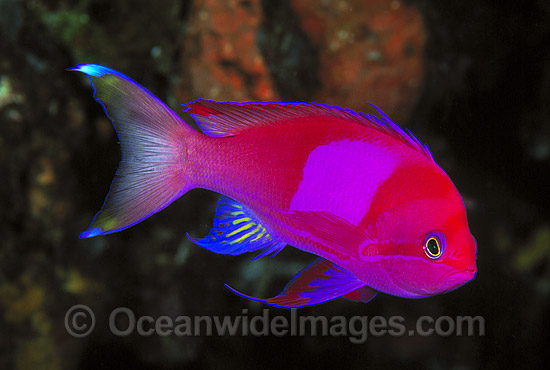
<point>336,233</point>
<point>321,281</point>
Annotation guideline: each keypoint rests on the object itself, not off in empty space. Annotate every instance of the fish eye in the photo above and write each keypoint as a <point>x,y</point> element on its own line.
<point>433,246</point>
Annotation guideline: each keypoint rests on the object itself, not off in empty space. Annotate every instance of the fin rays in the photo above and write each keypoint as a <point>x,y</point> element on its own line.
<point>152,143</point>
<point>220,119</point>
<point>237,230</point>
<point>319,282</point>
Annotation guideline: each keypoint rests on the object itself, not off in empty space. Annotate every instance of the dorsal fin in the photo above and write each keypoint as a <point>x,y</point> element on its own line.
<point>220,119</point>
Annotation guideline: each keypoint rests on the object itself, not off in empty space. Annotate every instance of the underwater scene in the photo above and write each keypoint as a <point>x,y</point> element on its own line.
<point>275,184</point>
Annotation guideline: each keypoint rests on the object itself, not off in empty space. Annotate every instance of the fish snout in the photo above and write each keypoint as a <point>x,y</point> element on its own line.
<point>457,278</point>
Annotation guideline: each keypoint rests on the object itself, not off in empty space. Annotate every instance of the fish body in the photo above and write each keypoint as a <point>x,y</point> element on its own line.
<point>349,187</point>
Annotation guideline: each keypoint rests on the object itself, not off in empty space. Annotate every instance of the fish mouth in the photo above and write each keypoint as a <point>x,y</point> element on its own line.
<point>456,278</point>
<point>451,280</point>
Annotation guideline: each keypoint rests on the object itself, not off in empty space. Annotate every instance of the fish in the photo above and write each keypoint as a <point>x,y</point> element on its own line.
<point>354,189</point>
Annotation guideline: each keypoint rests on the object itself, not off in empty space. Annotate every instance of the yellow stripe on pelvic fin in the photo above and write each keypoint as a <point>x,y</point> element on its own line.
<point>259,235</point>
<point>237,230</point>
<point>240,220</point>
<point>242,238</point>
<point>245,227</point>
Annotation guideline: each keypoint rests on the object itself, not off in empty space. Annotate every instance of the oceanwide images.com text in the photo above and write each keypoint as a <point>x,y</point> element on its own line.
<point>80,322</point>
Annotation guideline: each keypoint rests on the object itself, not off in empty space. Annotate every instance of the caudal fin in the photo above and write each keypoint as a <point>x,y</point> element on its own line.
<point>151,173</point>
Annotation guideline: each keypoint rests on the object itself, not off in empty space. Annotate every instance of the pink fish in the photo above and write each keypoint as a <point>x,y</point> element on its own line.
<point>355,190</point>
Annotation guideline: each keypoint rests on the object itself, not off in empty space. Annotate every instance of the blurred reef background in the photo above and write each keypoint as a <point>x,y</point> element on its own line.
<point>469,78</point>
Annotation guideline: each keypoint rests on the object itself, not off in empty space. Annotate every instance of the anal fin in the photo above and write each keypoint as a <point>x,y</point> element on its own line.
<point>319,282</point>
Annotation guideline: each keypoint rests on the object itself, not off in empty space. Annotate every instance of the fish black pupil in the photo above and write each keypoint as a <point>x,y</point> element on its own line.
<point>433,247</point>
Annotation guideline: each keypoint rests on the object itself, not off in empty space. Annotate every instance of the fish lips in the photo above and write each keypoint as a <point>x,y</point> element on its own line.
<point>456,278</point>
<point>449,280</point>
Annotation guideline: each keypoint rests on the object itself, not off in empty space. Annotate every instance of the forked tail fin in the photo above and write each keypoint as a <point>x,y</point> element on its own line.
<point>151,173</point>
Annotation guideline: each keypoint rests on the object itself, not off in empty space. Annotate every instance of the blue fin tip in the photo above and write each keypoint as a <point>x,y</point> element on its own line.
<point>94,70</point>
<point>91,233</point>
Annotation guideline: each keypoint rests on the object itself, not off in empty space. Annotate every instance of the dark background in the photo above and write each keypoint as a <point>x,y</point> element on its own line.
<point>473,79</point>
